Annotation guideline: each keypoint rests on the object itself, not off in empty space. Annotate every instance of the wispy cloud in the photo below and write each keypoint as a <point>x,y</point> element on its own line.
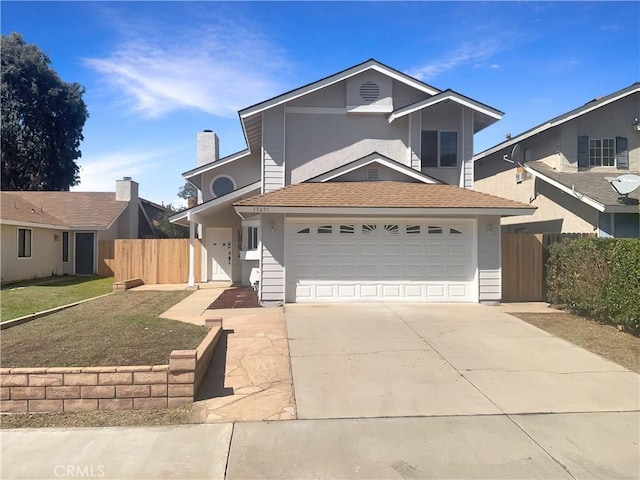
<point>472,53</point>
<point>101,173</point>
<point>214,66</point>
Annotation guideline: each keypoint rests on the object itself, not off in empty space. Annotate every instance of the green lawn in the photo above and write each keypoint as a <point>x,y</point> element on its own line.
<point>33,296</point>
<point>120,329</point>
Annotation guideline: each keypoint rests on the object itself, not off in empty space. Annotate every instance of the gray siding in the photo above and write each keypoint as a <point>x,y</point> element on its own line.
<point>243,171</point>
<point>414,138</point>
<point>489,259</point>
<point>467,148</point>
<point>317,143</point>
<point>273,148</point>
<point>272,259</point>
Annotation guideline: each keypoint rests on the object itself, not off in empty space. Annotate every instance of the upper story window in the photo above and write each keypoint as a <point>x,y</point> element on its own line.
<point>602,152</point>
<point>439,149</point>
<point>222,185</point>
<point>24,243</point>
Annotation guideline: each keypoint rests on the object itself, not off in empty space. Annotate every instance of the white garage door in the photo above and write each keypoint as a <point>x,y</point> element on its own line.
<point>350,260</point>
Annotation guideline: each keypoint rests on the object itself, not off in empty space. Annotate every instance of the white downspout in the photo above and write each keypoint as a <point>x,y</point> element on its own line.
<point>192,256</point>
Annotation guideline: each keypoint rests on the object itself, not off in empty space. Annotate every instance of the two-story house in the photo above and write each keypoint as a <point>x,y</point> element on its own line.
<point>356,187</point>
<point>564,167</point>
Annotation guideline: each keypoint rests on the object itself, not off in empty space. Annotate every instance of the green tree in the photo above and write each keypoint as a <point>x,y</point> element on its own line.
<point>42,120</point>
<point>187,191</point>
<point>165,228</point>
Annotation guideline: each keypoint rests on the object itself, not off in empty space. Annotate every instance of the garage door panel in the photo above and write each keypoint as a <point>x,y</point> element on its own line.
<point>380,260</point>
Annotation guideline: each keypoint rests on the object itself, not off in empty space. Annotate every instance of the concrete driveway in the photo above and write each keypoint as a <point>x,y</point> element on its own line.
<point>469,392</point>
<point>390,360</point>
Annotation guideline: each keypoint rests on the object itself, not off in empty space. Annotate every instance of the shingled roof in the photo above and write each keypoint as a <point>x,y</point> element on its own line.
<point>378,195</point>
<point>64,209</point>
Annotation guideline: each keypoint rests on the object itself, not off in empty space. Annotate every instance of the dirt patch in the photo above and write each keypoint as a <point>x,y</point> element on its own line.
<point>236,297</point>
<point>175,416</point>
<point>605,340</point>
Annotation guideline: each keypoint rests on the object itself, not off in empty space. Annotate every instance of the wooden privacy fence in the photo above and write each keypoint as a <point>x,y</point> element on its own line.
<point>524,258</point>
<point>154,261</point>
<point>105,258</point>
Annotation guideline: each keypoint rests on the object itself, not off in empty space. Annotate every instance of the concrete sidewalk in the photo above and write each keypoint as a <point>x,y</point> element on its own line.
<point>563,446</point>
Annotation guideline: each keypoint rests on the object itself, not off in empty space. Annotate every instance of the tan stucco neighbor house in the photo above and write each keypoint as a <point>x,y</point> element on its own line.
<point>57,233</point>
<point>564,166</point>
<point>356,187</point>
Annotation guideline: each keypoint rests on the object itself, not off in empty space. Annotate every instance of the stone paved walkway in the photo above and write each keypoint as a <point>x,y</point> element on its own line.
<point>249,378</point>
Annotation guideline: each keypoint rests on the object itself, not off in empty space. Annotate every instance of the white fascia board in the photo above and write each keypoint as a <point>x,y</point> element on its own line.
<point>203,207</point>
<point>557,121</point>
<point>338,77</point>
<point>34,225</point>
<point>210,166</point>
<point>363,162</point>
<point>395,211</point>
<point>447,95</point>
<point>571,191</point>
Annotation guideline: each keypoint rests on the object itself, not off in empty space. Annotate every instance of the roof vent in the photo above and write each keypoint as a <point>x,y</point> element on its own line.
<point>373,174</point>
<point>369,91</point>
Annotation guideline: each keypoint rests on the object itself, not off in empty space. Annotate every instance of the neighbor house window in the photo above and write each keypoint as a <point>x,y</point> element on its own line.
<point>65,247</point>
<point>439,149</point>
<point>602,152</point>
<point>252,238</point>
<point>24,243</point>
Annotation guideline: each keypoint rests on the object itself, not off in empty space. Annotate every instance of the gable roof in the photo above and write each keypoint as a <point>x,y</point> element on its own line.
<point>586,108</point>
<point>589,187</point>
<point>94,210</point>
<point>252,122</point>
<point>374,157</point>
<point>337,197</point>
<point>487,115</point>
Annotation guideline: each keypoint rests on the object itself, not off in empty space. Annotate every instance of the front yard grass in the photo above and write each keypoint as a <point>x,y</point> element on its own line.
<point>34,296</point>
<point>120,329</point>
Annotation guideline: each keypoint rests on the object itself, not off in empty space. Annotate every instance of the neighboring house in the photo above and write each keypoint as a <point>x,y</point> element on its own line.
<point>355,187</point>
<point>56,233</point>
<point>565,162</point>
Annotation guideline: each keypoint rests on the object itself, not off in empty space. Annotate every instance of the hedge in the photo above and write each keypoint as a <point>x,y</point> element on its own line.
<point>598,278</point>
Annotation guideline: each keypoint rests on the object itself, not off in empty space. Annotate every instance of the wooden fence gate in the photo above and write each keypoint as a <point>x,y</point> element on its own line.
<point>524,259</point>
<point>154,260</point>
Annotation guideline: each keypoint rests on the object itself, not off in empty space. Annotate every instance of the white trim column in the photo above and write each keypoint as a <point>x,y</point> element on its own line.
<point>192,252</point>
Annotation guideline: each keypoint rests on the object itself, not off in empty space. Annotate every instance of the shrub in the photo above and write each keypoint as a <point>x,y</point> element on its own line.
<point>598,278</point>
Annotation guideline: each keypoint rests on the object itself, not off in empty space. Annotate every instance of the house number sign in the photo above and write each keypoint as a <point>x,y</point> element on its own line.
<point>261,209</point>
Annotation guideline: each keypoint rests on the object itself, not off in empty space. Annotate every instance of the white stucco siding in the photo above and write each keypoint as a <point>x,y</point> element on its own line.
<point>271,287</point>
<point>46,254</point>
<point>489,259</point>
<point>273,154</point>
<point>316,143</point>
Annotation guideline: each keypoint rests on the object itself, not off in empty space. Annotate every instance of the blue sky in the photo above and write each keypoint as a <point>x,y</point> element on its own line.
<point>158,72</point>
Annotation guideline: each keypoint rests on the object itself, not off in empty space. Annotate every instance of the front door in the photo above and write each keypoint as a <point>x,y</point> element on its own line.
<point>220,253</point>
<point>84,254</point>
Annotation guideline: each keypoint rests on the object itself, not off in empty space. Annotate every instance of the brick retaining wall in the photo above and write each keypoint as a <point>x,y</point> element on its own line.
<point>84,389</point>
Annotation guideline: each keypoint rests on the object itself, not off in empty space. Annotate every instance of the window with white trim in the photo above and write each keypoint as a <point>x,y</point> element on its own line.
<point>252,238</point>
<point>24,243</point>
<point>602,152</point>
<point>222,185</point>
<point>439,149</point>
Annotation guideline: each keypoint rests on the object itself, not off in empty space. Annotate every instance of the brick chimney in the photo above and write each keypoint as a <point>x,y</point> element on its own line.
<point>208,146</point>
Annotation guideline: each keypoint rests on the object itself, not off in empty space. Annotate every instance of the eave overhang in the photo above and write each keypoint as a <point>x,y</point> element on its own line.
<point>489,115</point>
<point>193,213</point>
<point>391,211</point>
